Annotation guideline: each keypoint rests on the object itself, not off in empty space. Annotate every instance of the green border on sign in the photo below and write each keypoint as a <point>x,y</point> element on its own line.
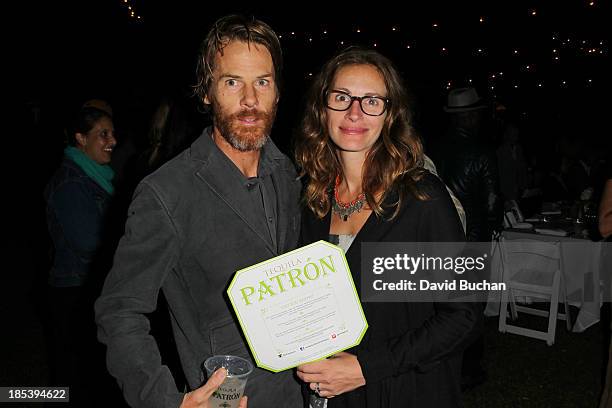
<point>350,275</point>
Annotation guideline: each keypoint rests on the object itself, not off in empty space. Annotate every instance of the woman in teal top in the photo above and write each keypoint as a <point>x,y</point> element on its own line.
<point>77,198</point>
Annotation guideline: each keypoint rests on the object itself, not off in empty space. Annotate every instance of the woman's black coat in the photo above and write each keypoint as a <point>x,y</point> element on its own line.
<point>411,353</point>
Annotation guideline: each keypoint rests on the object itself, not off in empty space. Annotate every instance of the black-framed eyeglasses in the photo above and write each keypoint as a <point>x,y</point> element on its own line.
<point>370,105</point>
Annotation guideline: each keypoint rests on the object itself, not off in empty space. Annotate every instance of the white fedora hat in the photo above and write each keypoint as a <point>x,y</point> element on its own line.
<point>463,100</point>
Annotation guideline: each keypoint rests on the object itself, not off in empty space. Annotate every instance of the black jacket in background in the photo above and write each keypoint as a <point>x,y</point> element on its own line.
<point>469,169</point>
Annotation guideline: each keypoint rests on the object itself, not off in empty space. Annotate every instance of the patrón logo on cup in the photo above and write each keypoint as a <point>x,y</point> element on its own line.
<point>229,393</point>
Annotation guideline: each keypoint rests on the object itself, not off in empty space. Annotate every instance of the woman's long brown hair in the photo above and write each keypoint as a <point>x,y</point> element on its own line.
<point>394,161</point>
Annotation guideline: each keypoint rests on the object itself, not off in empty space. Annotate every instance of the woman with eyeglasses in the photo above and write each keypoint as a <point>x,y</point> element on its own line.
<point>77,198</point>
<point>365,182</point>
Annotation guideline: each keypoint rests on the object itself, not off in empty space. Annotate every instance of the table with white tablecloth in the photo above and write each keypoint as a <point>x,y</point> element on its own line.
<point>581,269</point>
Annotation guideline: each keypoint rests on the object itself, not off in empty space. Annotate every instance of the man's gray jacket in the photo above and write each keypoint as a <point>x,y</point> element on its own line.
<point>189,229</point>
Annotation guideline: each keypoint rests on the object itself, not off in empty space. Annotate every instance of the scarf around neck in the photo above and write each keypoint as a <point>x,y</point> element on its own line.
<point>102,174</point>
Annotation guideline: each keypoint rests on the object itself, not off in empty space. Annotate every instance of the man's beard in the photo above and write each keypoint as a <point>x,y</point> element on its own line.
<point>240,137</point>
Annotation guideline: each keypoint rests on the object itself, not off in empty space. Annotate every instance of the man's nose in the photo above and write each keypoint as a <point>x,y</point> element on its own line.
<point>249,97</point>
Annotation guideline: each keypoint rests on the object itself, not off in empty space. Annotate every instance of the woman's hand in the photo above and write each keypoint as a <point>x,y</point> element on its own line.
<point>199,398</point>
<point>333,376</point>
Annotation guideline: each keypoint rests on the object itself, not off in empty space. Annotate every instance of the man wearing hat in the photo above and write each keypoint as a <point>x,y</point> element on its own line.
<point>469,169</point>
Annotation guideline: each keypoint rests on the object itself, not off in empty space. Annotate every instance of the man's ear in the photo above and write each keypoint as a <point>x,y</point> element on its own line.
<point>81,139</point>
<point>206,99</point>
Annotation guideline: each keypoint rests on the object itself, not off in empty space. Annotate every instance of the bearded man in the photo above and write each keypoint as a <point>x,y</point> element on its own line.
<point>229,201</point>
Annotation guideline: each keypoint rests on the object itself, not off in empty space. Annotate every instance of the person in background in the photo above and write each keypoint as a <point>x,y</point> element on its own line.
<point>605,210</point>
<point>171,131</point>
<point>429,165</point>
<point>365,183</point>
<point>100,104</point>
<point>512,164</point>
<point>605,229</point>
<point>229,201</point>
<point>469,168</point>
<point>77,197</point>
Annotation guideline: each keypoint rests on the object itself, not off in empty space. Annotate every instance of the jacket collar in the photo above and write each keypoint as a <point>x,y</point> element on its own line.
<point>226,181</point>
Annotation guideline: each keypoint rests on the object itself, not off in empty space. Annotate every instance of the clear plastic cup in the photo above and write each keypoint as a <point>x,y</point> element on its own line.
<point>229,393</point>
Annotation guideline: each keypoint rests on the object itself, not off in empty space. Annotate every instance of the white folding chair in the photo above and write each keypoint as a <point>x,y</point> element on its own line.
<point>512,214</point>
<point>532,269</point>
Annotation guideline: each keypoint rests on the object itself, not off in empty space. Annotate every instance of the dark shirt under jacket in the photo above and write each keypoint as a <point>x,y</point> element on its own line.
<point>263,193</point>
<point>411,353</point>
<point>191,225</point>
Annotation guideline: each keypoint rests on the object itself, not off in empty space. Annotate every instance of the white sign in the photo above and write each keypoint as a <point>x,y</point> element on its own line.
<point>298,307</point>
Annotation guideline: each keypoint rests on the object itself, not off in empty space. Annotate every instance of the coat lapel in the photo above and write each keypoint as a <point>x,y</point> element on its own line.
<point>374,230</point>
<point>226,181</point>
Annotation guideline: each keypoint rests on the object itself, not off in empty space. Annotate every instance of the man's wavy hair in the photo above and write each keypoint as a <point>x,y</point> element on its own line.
<point>234,28</point>
<point>394,163</point>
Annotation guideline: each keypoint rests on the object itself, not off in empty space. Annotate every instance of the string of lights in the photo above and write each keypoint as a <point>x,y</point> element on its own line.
<point>131,9</point>
<point>568,48</point>
<point>563,48</point>
<point>525,65</point>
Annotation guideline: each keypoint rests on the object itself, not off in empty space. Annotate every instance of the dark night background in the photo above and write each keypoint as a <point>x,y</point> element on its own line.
<point>67,52</point>
<point>78,50</point>
<point>74,51</point>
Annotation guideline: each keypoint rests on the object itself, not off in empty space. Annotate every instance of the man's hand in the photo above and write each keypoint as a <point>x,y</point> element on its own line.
<point>199,398</point>
<point>333,376</point>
